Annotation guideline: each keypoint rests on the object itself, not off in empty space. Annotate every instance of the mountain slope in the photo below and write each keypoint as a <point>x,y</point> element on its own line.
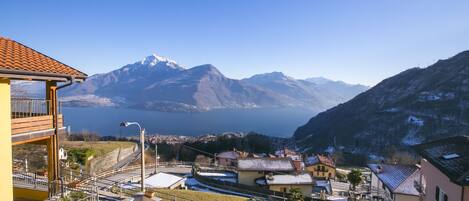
<point>408,108</point>
<point>205,88</point>
<point>296,92</point>
<point>126,82</point>
<point>157,83</point>
<point>341,90</point>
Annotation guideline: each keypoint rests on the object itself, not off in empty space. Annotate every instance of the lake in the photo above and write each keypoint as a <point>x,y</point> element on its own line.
<point>281,122</point>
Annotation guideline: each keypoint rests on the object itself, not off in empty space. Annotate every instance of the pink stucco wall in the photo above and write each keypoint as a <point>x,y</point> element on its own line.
<point>433,177</point>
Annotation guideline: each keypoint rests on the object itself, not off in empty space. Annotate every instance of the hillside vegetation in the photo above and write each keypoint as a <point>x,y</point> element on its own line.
<point>414,106</point>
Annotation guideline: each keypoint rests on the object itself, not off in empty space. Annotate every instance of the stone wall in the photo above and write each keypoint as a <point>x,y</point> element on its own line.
<point>105,162</point>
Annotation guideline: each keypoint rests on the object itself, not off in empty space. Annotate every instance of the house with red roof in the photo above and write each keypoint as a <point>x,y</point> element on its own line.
<point>320,166</point>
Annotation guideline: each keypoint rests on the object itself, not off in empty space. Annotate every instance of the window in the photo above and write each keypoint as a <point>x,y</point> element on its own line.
<point>440,195</point>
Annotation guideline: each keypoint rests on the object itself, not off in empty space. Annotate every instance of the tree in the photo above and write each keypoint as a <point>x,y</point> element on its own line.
<point>295,195</point>
<point>354,177</point>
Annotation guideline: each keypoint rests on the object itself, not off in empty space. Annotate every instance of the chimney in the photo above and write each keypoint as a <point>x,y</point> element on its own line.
<point>297,165</point>
<point>269,176</point>
<point>379,169</point>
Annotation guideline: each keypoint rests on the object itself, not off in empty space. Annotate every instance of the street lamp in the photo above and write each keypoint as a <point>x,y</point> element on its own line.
<point>142,149</point>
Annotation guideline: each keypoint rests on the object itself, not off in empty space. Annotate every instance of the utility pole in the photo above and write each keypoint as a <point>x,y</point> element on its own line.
<point>26,165</point>
<point>156,155</point>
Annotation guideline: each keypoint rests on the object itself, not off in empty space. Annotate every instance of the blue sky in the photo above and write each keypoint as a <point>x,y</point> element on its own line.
<point>355,41</point>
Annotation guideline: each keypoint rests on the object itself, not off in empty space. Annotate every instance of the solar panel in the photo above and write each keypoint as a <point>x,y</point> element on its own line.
<point>450,156</point>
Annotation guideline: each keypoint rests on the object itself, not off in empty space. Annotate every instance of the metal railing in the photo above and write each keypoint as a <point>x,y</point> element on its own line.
<point>380,194</point>
<point>31,107</point>
<point>30,180</point>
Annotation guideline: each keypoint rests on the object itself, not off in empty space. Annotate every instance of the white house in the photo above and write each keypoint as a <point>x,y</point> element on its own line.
<point>394,182</point>
<point>165,180</point>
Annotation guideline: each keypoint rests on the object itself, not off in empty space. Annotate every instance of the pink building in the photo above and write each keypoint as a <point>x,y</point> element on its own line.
<point>445,169</point>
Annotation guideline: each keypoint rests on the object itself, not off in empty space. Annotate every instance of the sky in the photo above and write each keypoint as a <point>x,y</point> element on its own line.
<point>354,41</point>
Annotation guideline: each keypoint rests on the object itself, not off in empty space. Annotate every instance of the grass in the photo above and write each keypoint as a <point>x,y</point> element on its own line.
<point>99,148</point>
<point>186,195</point>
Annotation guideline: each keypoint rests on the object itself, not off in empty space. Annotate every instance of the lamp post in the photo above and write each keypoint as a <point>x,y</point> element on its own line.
<point>142,149</point>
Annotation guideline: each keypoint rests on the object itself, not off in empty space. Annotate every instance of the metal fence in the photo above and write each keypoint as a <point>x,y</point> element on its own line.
<point>31,107</point>
<point>30,180</point>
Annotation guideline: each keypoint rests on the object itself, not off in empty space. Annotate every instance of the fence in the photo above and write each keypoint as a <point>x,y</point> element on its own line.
<point>31,107</point>
<point>37,182</point>
<point>30,180</point>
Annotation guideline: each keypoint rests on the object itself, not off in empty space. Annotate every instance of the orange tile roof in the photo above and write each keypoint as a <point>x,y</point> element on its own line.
<point>320,159</point>
<point>16,57</point>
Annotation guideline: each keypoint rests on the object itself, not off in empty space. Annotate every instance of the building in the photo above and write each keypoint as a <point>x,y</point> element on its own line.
<point>165,180</point>
<point>340,188</point>
<point>394,182</point>
<point>445,169</point>
<point>26,120</point>
<point>320,167</point>
<point>230,158</point>
<point>287,153</point>
<point>250,169</point>
<point>285,182</point>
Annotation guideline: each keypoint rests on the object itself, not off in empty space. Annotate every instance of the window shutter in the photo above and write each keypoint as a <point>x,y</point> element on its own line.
<point>437,194</point>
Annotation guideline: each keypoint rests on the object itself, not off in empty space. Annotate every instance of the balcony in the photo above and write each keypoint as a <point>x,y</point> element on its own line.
<point>31,119</point>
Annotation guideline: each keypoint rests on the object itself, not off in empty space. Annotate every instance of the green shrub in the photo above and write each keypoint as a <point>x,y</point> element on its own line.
<point>80,155</point>
<point>295,195</point>
<point>74,196</point>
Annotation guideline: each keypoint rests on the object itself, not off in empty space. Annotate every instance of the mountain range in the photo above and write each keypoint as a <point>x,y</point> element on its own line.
<point>158,83</point>
<point>416,105</point>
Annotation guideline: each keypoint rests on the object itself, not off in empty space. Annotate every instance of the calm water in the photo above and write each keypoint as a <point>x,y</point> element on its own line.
<point>105,121</point>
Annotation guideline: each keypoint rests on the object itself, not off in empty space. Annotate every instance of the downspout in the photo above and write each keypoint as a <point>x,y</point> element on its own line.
<point>56,124</point>
<point>462,191</point>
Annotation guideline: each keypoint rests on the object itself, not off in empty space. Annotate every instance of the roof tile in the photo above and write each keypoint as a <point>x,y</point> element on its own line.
<point>16,56</point>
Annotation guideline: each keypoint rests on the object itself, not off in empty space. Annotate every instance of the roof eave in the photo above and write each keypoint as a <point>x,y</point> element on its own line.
<point>38,76</point>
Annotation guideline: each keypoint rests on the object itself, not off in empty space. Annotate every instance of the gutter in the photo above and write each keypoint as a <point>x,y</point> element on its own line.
<point>70,81</point>
<point>42,74</point>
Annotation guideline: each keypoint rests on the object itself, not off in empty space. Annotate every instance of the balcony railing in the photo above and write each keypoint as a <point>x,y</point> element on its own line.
<point>31,115</point>
<point>29,107</point>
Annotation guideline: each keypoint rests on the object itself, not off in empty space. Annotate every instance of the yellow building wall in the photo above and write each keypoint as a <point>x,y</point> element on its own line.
<point>6,184</point>
<point>305,189</point>
<point>312,170</point>
<point>29,194</point>
<point>248,177</point>
<point>401,197</point>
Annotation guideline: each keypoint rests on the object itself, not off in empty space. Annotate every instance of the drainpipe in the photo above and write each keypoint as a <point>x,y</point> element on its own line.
<point>56,123</point>
<point>462,192</point>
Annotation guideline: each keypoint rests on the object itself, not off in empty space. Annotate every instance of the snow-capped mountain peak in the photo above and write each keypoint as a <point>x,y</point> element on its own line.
<point>154,59</point>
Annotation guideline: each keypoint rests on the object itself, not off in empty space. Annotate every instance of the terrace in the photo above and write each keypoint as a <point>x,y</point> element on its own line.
<point>31,119</point>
